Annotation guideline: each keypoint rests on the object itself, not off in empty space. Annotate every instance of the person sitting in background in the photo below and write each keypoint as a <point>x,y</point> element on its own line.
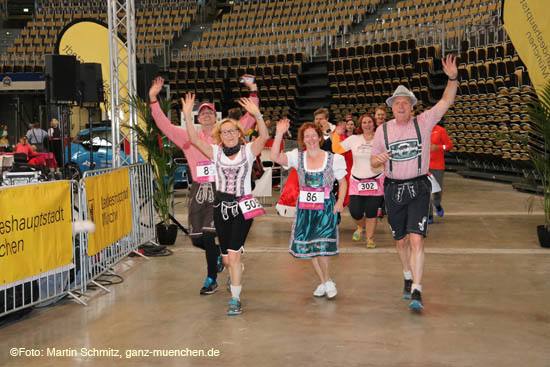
<point>24,147</point>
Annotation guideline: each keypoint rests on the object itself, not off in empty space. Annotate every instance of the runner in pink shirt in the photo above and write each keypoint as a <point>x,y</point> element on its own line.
<point>201,196</point>
<point>402,146</point>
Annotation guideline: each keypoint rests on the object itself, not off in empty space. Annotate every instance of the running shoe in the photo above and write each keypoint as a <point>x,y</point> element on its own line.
<point>320,290</point>
<point>370,243</point>
<point>234,307</point>
<point>220,265</point>
<point>330,287</point>
<point>430,220</point>
<point>438,209</point>
<point>407,289</point>
<point>210,286</point>
<point>416,300</point>
<point>357,235</point>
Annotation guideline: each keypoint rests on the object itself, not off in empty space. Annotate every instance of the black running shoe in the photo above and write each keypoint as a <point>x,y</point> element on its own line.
<point>210,286</point>
<point>416,300</point>
<point>407,289</point>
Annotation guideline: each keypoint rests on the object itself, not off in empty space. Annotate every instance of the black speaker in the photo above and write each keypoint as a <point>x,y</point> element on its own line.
<point>145,73</point>
<point>90,84</point>
<point>61,75</point>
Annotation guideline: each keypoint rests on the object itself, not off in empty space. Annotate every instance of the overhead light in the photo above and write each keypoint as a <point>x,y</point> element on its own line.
<point>25,10</point>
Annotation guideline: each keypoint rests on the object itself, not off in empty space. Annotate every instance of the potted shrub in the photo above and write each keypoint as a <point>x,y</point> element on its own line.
<point>539,112</point>
<point>161,159</point>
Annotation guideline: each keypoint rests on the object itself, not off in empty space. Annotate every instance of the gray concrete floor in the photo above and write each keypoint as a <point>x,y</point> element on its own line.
<point>486,296</point>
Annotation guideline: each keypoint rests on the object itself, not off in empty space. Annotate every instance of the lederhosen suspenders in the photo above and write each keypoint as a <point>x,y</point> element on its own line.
<point>418,136</point>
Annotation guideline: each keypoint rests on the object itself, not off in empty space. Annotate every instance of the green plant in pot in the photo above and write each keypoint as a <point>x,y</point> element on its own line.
<point>161,159</point>
<point>539,153</point>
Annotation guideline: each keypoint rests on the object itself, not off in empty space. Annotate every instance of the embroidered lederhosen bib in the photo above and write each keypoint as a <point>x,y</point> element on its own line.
<point>401,151</point>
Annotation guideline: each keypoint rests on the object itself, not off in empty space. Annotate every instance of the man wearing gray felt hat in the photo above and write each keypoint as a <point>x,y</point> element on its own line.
<point>403,146</point>
<point>402,91</point>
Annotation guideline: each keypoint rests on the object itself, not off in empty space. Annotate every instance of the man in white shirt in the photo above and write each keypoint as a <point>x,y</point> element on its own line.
<point>37,136</point>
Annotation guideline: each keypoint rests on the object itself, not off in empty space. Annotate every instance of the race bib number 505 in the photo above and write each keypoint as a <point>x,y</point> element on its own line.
<point>250,207</point>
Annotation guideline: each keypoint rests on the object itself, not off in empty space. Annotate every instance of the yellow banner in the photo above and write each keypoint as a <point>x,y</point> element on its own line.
<point>109,207</point>
<point>35,230</point>
<point>527,24</point>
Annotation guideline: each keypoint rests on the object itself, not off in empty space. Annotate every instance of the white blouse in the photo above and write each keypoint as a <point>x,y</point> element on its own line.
<point>338,166</point>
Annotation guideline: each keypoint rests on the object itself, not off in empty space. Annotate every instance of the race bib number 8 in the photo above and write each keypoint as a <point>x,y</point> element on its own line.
<point>312,198</point>
<point>250,207</point>
<point>206,172</point>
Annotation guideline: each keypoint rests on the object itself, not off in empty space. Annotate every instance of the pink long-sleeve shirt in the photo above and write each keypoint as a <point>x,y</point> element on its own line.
<point>179,136</point>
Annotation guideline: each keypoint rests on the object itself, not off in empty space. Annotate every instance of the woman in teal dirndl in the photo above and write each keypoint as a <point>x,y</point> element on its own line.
<point>315,228</point>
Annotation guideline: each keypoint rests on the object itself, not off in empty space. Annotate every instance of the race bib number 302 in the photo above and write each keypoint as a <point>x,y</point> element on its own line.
<point>206,172</point>
<point>367,186</point>
<point>250,207</point>
<point>312,198</point>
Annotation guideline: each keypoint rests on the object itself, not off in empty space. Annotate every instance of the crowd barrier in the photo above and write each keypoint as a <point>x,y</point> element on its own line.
<point>83,261</point>
<point>143,221</point>
<point>43,287</point>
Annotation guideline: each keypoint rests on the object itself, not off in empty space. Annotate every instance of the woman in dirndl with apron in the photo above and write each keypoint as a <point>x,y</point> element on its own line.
<point>315,228</point>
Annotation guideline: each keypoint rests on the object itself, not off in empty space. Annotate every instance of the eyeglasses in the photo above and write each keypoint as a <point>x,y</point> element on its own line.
<point>227,132</point>
<point>207,112</point>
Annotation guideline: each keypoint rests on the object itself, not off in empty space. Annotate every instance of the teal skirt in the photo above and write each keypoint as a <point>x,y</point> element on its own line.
<point>315,232</point>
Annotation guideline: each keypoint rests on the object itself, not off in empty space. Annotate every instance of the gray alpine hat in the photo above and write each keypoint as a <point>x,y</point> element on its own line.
<point>402,91</point>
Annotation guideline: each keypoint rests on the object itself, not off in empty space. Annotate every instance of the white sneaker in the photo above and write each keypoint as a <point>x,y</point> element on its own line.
<point>330,288</point>
<point>320,291</point>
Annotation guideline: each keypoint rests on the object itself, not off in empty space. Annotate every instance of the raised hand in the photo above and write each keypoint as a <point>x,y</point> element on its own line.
<point>339,130</point>
<point>449,66</point>
<point>250,107</point>
<point>187,104</point>
<point>249,85</point>
<point>282,126</point>
<point>156,87</point>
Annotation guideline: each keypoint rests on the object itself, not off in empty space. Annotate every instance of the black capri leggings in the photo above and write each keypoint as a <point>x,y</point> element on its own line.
<point>364,206</point>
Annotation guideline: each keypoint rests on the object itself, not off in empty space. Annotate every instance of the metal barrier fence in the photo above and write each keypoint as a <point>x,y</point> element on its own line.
<point>48,287</point>
<point>143,223</point>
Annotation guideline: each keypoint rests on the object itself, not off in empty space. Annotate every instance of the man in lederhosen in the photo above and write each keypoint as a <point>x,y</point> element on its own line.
<point>402,145</point>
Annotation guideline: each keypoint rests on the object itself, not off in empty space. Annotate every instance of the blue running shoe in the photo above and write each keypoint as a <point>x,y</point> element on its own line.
<point>234,307</point>
<point>210,286</point>
<point>416,301</point>
<point>407,289</point>
<point>438,209</point>
<point>220,265</point>
<point>431,220</point>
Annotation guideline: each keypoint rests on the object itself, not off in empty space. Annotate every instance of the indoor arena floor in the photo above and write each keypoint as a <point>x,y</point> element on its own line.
<point>486,296</point>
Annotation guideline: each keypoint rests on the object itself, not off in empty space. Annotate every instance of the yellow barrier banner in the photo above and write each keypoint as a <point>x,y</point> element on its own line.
<point>528,26</point>
<point>35,230</point>
<point>109,207</point>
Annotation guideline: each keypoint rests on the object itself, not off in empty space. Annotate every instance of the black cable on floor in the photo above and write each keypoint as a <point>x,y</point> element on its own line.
<point>153,251</point>
<point>105,282</point>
